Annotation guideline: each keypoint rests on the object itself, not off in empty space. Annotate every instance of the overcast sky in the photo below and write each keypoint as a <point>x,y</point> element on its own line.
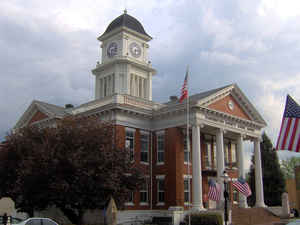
<point>48,48</point>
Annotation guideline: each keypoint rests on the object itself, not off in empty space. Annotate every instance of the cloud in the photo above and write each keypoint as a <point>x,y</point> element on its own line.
<point>48,49</point>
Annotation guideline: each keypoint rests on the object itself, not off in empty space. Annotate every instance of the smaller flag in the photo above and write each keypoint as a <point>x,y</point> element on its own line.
<point>289,135</point>
<point>214,192</point>
<point>184,89</point>
<point>242,186</point>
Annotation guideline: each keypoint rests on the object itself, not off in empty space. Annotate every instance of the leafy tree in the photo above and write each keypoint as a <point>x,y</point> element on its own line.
<point>288,166</point>
<point>74,166</point>
<point>273,180</point>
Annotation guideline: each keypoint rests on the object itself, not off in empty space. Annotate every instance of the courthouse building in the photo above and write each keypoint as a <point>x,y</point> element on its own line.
<point>155,133</point>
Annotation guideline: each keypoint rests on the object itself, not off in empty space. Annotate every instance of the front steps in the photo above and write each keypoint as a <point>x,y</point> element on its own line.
<point>253,216</point>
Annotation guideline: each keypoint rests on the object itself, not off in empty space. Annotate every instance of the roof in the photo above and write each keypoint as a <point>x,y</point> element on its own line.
<point>128,21</point>
<point>53,110</point>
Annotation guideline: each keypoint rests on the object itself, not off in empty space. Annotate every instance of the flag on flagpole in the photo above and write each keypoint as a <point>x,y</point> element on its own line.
<point>289,135</point>
<point>184,89</point>
<point>214,192</point>
<point>242,186</point>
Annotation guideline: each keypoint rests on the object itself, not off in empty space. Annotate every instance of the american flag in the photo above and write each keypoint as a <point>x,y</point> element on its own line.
<point>184,89</point>
<point>289,136</point>
<point>242,186</point>
<point>214,192</point>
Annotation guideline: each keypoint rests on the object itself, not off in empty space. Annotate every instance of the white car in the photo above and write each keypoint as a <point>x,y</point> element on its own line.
<point>37,221</point>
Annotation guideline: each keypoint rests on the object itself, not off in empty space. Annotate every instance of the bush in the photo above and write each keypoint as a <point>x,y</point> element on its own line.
<point>205,219</point>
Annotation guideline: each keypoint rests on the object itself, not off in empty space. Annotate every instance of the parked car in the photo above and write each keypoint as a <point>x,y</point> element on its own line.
<point>295,222</point>
<point>37,221</point>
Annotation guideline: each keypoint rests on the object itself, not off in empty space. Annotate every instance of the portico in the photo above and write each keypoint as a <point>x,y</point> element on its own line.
<point>238,136</point>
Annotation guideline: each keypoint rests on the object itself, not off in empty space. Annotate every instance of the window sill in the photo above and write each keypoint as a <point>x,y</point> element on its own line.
<point>145,163</point>
<point>187,204</point>
<point>144,203</point>
<point>187,163</point>
<point>160,163</point>
<point>129,204</point>
<point>160,204</point>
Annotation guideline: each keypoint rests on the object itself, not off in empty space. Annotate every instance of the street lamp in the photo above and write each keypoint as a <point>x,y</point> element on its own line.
<point>225,178</point>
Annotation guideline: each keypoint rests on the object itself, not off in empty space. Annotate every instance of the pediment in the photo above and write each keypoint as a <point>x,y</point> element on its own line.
<point>232,101</point>
<point>38,111</point>
<point>230,106</point>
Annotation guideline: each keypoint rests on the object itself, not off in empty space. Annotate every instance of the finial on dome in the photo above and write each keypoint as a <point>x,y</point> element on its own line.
<point>125,11</point>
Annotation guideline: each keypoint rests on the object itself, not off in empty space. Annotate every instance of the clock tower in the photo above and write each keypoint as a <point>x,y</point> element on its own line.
<point>124,67</point>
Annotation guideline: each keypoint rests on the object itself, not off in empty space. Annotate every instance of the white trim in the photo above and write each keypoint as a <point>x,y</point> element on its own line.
<point>187,176</point>
<point>160,204</point>
<point>160,176</point>
<point>144,203</point>
<point>129,203</point>
<point>130,129</point>
<point>144,163</point>
<point>160,163</point>
<point>160,132</point>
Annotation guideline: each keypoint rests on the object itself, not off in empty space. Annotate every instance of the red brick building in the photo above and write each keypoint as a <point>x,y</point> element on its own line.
<point>220,120</point>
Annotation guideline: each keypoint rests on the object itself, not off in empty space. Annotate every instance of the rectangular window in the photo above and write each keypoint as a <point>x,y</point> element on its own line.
<point>144,192</point>
<point>160,147</point>
<point>130,142</point>
<point>105,87</point>
<point>233,154</point>
<point>144,146</point>
<point>226,151</point>
<point>215,153</point>
<point>187,156</point>
<point>187,183</point>
<point>160,190</point>
<point>208,155</point>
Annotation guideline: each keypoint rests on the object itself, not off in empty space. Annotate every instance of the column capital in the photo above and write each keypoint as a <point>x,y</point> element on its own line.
<point>223,130</point>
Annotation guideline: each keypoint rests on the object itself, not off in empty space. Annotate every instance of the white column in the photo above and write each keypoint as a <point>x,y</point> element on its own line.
<point>259,188</point>
<point>241,169</point>
<point>197,171</point>
<point>220,163</point>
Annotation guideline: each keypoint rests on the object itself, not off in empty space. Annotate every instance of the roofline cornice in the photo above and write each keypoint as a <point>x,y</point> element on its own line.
<point>103,37</point>
<point>123,59</point>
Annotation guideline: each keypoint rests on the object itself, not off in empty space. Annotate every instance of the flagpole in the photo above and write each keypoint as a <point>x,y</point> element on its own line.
<point>188,143</point>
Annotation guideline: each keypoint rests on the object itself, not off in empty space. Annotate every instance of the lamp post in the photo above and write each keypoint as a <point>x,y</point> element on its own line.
<point>225,178</point>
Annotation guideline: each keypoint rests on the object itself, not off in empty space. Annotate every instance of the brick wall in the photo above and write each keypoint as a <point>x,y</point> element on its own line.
<point>173,168</point>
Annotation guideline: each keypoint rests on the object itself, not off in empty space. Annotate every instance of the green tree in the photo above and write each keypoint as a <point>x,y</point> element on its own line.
<point>74,166</point>
<point>289,165</point>
<point>273,179</point>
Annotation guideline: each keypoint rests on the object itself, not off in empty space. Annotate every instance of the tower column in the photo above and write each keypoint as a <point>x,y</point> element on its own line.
<point>259,188</point>
<point>197,170</point>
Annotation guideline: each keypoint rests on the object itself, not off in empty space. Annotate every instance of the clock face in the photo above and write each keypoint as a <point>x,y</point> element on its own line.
<point>112,49</point>
<point>135,49</point>
<point>230,105</point>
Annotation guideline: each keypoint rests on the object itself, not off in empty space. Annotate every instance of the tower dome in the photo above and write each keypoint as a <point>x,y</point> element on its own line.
<point>125,20</point>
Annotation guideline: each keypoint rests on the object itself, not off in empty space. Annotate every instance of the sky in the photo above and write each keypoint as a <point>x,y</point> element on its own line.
<point>48,49</point>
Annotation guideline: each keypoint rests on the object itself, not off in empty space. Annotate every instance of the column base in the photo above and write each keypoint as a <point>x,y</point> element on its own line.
<point>260,205</point>
<point>198,208</point>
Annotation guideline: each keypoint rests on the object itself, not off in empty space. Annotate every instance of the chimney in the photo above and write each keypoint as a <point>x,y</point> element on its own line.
<point>173,98</point>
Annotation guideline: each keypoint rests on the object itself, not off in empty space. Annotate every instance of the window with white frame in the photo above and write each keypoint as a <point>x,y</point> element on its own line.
<point>130,198</point>
<point>130,142</point>
<point>187,155</point>
<point>233,154</point>
<point>226,152</point>
<point>187,183</point>
<point>161,190</point>
<point>208,140</point>
<point>144,146</point>
<point>160,147</point>
<point>144,192</point>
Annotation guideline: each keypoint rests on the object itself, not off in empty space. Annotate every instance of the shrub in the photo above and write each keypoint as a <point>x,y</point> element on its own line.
<point>205,219</point>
